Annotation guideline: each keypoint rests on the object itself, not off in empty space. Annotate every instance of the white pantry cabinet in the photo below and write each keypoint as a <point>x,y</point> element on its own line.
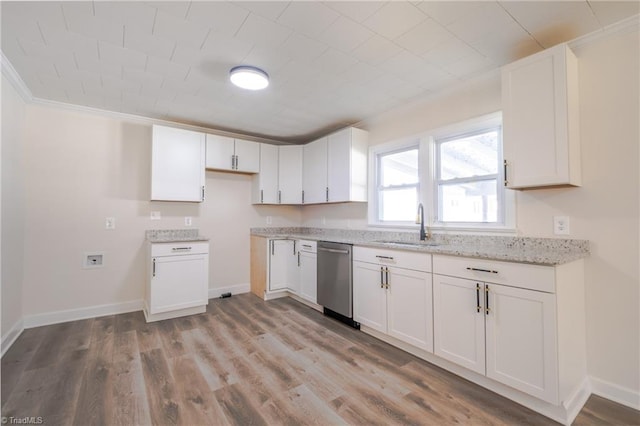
<point>392,294</point>
<point>225,153</point>
<point>265,183</point>
<point>177,165</point>
<point>290,174</point>
<point>314,181</point>
<point>178,280</point>
<point>541,140</point>
<point>520,325</point>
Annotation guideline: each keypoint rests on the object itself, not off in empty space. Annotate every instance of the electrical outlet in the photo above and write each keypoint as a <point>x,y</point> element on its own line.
<point>93,260</point>
<point>561,225</point>
<point>110,223</point>
<point>187,221</point>
<point>156,216</point>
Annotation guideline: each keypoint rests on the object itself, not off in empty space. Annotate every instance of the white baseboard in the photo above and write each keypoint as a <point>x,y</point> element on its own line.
<point>574,403</point>
<point>11,336</point>
<point>616,393</point>
<point>233,289</point>
<point>82,313</point>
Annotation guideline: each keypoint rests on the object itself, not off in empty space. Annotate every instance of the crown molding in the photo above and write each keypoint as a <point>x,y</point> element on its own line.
<point>14,78</point>
<point>627,25</point>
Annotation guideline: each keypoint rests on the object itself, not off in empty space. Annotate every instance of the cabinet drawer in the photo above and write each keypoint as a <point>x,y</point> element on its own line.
<point>308,246</point>
<point>533,277</point>
<point>399,258</point>
<point>175,249</point>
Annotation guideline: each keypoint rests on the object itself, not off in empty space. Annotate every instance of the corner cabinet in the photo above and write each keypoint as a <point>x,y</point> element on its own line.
<point>314,177</point>
<point>178,280</point>
<point>177,165</point>
<point>265,183</point>
<point>392,294</point>
<point>290,174</point>
<point>541,139</point>
<point>520,325</point>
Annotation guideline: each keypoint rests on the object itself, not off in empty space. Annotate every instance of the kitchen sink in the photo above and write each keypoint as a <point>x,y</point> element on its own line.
<point>409,243</point>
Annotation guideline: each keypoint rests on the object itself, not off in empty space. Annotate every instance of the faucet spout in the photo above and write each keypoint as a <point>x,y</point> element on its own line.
<point>420,220</point>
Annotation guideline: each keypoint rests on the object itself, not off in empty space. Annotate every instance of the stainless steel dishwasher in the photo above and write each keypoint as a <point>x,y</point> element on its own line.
<point>335,281</point>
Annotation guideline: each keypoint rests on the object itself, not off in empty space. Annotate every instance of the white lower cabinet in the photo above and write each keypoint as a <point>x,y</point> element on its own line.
<point>393,299</point>
<point>308,270</point>
<point>178,280</point>
<point>282,265</point>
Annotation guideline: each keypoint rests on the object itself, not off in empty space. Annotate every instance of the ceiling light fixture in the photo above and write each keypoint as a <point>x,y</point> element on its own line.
<point>248,77</point>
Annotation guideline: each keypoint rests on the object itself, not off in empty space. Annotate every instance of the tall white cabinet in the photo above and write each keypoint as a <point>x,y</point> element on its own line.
<point>541,135</point>
<point>177,165</point>
<point>265,183</point>
<point>290,174</point>
<point>314,181</point>
<point>347,165</point>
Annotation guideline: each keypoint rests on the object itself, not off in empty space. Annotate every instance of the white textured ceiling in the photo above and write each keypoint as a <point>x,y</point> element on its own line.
<point>331,63</point>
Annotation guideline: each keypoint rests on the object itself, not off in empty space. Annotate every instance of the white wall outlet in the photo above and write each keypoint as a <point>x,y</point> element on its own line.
<point>561,225</point>
<point>269,220</point>
<point>110,223</point>
<point>187,221</point>
<point>92,260</point>
<point>156,216</point>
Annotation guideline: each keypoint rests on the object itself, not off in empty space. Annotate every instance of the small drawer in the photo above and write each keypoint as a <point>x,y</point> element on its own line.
<point>308,246</point>
<point>399,258</point>
<point>522,275</point>
<point>177,249</point>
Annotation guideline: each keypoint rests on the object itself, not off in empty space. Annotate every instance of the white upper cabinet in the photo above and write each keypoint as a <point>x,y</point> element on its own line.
<point>265,183</point>
<point>541,139</point>
<point>225,153</point>
<point>347,165</point>
<point>314,181</point>
<point>177,165</point>
<point>290,174</point>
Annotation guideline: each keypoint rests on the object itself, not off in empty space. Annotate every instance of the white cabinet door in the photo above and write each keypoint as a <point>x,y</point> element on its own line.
<point>247,156</point>
<point>220,152</point>
<point>314,181</point>
<point>540,120</point>
<point>290,174</point>
<point>458,320</point>
<point>308,263</point>
<point>347,165</point>
<point>369,296</point>
<point>265,183</point>
<point>177,165</point>
<point>409,307</point>
<point>280,260</point>
<point>178,282</point>
<point>521,340</point>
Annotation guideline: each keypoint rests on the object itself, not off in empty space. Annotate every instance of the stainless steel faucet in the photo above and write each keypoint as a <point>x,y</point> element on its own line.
<point>420,220</point>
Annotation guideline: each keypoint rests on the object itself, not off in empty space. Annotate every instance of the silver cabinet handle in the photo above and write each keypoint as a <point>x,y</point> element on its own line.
<point>307,246</point>
<point>486,299</point>
<point>154,267</point>
<point>384,257</point>
<point>381,277</point>
<point>327,194</point>
<point>333,250</point>
<point>203,193</point>
<point>294,246</point>
<point>279,197</point>
<point>386,272</point>
<point>237,162</point>
<point>506,180</point>
<point>303,196</point>
<point>262,195</point>
<point>298,259</point>
<point>180,248</point>
<point>273,250</point>
<point>489,271</point>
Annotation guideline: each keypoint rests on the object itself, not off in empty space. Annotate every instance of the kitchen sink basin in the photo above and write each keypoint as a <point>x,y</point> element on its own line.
<point>409,243</point>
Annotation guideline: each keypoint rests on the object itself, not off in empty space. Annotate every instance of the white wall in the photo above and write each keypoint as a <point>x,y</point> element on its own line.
<point>605,210</point>
<point>13,209</point>
<point>80,168</point>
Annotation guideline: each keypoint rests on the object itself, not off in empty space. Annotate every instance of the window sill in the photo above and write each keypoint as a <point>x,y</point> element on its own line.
<point>440,229</point>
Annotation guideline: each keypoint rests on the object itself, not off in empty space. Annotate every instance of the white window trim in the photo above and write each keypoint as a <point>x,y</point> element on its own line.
<point>426,142</point>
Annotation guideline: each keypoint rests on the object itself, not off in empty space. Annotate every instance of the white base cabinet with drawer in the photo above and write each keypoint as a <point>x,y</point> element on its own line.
<point>178,280</point>
<point>392,294</point>
<point>308,270</point>
<point>517,329</point>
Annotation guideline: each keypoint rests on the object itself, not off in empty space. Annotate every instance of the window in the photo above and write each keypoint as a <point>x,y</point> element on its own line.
<point>467,179</point>
<point>398,185</point>
<point>455,172</point>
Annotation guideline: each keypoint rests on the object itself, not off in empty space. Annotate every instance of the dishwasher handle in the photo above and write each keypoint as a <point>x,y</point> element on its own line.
<point>333,250</point>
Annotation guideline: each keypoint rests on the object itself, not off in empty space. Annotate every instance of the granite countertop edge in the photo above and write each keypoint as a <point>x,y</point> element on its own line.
<point>537,251</point>
<point>174,236</point>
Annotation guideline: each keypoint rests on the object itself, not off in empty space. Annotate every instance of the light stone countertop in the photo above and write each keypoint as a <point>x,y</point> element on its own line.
<point>538,251</point>
<point>173,235</point>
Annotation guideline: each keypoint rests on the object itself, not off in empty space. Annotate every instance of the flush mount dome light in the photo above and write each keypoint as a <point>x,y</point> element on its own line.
<point>248,77</point>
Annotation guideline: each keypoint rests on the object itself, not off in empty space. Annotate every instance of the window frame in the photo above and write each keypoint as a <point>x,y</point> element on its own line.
<point>428,182</point>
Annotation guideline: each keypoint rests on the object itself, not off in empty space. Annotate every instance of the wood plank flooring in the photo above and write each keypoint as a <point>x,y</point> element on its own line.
<point>245,362</point>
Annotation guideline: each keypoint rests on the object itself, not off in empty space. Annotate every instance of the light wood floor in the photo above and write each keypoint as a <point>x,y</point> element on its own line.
<point>244,362</point>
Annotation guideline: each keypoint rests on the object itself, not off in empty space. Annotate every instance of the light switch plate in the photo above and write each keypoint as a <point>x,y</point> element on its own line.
<point>110,223</point>
<point>187,221</point>
<point>561,225</point>
<point>156,216</point>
